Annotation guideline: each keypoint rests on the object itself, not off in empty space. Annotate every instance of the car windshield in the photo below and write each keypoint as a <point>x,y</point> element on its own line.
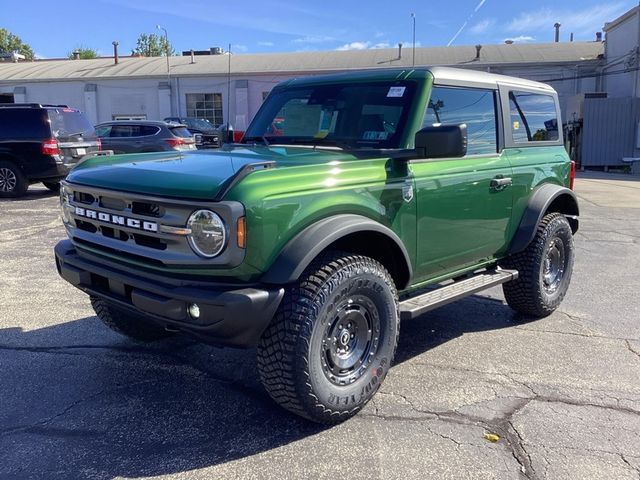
<point>199,123</point>
<point>181,132</point>
<point>348,116</point>
<point>67,122</point>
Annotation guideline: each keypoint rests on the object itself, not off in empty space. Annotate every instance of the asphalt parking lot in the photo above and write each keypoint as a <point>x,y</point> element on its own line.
<point>562,393</point>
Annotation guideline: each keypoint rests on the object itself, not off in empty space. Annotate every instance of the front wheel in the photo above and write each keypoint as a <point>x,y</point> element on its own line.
<point>126,323</point>
<point>544,267</point>
<point>333,338</point>
<point>12,181</point>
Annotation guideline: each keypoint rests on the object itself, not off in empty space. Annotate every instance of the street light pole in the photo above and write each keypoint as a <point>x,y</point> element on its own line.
<point>413,16</point>
<point>166,41</point>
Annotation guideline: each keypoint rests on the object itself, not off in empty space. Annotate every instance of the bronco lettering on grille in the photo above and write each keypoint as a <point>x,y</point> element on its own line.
<point>117,219</point>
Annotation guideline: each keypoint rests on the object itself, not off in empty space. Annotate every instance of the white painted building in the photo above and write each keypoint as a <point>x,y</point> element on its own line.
<point>141,87</point>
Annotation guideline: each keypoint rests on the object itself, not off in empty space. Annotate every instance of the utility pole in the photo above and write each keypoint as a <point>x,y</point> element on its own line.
<point>229,95</point>
<point>413,16</point>
<point>166,41</point>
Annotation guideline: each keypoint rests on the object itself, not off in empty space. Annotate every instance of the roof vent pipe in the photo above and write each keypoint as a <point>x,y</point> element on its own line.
<point>115,52</point>
<point>193,57</point>
<point>478,48</point>
<point>571,37</point>
<point>557,27</point>
<point>399,51</point>
<point>598,36</point>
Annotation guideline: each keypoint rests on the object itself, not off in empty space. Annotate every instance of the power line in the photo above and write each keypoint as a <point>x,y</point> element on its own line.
<point>591,75</point>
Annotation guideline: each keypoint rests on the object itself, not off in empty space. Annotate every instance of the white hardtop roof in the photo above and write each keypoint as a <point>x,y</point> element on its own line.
<point>461,77</point>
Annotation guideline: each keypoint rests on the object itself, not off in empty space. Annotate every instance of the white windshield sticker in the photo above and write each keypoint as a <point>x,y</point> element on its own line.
<point>396,91</point>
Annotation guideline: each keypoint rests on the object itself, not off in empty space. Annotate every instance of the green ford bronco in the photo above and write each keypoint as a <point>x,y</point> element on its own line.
<point>354,201</point>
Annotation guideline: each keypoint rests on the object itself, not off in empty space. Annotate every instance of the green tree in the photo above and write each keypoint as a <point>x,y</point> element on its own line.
<point>152,45</point>
<point>12,43</point>
<point>86,53</point>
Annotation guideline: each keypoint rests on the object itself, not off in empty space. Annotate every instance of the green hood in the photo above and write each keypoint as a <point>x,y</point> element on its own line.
<point>196,175</point>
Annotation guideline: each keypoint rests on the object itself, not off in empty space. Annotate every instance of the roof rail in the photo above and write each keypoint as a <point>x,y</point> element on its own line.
<point>30,105</point>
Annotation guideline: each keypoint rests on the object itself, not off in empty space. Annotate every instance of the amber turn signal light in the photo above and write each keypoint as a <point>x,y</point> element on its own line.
<point>241,230</point>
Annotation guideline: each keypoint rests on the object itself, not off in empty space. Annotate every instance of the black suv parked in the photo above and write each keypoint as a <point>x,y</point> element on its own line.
<point>142,136</point>
<point>207,136</point>
<point>40,143</point>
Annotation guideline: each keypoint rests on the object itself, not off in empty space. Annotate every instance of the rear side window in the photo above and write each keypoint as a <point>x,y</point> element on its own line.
<point>67,122</point>
<point>181,132</point>
<point>23,124</point>
<point>124,131</point>
<point>146,130</point>
<point>474,107</point>
<point>534,117</point>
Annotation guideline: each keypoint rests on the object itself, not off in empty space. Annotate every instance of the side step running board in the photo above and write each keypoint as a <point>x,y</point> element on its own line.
<point>416,306</point>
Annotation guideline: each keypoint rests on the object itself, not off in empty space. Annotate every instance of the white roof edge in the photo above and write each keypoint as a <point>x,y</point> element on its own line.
<point>622,18</point>
<point>462,77</point>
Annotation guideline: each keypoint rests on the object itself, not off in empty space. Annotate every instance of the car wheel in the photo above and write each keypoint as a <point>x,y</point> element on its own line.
<point>544,267</point>
<point>333,338</point>
<point>127,324</point>
<point>12,181</point>
<point>53,186</point>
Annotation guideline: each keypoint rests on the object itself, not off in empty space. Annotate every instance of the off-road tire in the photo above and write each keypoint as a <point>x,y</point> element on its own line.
<point>53,186</point>
<point>529,293</point>
<point>12,182</point>
<point>294,350</point>
<point>127,324</point>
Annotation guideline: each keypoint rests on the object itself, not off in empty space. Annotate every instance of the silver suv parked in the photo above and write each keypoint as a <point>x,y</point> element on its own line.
<point>140,136</point>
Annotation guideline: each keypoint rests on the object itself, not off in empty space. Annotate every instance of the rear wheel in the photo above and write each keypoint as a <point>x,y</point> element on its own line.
<point>12,181</point>
<point>544,268</point>
<point>333,338</point>
<point>53,186</point>
<point>127,324</point>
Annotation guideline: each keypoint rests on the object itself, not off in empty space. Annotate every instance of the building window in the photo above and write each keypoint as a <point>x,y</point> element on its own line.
<point>474,107</point>
<point>128,117</point>
<point>205,105</point>
<point>534,117</point>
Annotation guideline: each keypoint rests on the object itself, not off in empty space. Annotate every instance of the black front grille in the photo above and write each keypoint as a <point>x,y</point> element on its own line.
<point>83,197</point>
<point>147,209</point>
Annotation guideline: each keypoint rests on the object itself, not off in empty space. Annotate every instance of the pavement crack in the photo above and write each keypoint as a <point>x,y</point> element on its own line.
<point>624,459</point>
<point>631,349</point>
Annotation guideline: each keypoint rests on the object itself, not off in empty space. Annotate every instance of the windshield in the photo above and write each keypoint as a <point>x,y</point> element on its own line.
<point>199,123</point>
<point>349,116</point>
<point>67,122</point>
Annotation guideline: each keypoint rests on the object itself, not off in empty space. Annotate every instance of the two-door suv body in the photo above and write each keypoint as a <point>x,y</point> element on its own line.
<point>354,200</point>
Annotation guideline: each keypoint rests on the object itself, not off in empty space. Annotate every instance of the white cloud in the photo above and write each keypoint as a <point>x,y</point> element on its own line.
<point>355,46</point>
<point>313,39</point>
<point>266,44</point>
<point>239,48</point>
<point>381,45</point>
<point>521,39</point>
<point>482,26</point>
<point>584,21</point>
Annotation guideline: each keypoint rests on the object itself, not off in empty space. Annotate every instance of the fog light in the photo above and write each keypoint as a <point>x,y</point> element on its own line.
<point>194,311</point>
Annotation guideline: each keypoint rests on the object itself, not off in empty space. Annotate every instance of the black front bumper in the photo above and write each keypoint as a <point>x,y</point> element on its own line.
<point>234,316</point>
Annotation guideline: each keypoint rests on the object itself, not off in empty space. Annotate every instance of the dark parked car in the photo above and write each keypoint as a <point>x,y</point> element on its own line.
<point>140,136</point>
<point>206,135</point>
<point>40,143</point>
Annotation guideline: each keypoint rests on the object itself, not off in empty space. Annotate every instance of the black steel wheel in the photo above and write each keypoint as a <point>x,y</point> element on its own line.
<point>544,267</point>
<point>12,182</point>
<point>333,338</point>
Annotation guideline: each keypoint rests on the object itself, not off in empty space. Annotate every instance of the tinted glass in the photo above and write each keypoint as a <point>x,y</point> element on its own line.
<point>533,117</point>
<point>370,115</point>
<point>103,130</point>
<point>120,131</point>
<point>23,123</point>
<point>68,123</point>
<point>146,130</point>
<point>474,107</point>
<point>181,132</point>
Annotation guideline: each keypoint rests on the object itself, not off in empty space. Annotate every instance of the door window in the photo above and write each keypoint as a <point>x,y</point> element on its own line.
<point>474,107</point>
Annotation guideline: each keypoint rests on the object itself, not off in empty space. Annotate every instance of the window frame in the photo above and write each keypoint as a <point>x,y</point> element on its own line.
<point>497,102</point>
<point>505,90</point>
<point>196,112</point>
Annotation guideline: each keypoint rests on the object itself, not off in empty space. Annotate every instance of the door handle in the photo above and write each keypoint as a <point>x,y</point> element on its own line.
<point>499,183</point>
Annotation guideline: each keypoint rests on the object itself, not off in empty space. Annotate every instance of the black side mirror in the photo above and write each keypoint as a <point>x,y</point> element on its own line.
<point>442,141</point>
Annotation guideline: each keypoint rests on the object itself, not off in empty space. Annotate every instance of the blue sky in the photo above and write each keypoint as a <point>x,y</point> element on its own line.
<point>255,26</point>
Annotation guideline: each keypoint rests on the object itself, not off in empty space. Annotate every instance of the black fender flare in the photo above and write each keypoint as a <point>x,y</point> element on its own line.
<point>541,200</point>
<point>296,256</point>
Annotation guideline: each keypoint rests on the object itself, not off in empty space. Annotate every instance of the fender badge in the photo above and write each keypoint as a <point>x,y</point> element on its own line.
<point>407,192</point>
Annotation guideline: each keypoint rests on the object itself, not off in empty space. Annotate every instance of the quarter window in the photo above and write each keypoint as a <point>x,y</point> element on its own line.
<point>534,117</point>
<point>205,105</point>
<point>474,107</point>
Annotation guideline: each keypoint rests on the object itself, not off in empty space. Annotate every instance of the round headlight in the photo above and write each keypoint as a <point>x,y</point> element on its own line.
<point>208,233</point>
<point>64,204</point>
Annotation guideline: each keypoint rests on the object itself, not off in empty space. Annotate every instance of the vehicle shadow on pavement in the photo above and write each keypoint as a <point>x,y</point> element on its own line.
<point>34,193</point>
<point>79,401</point>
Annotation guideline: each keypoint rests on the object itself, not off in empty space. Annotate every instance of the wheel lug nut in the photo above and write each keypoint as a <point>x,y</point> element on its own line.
<point>353,335</point>
<point>340,327</point>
